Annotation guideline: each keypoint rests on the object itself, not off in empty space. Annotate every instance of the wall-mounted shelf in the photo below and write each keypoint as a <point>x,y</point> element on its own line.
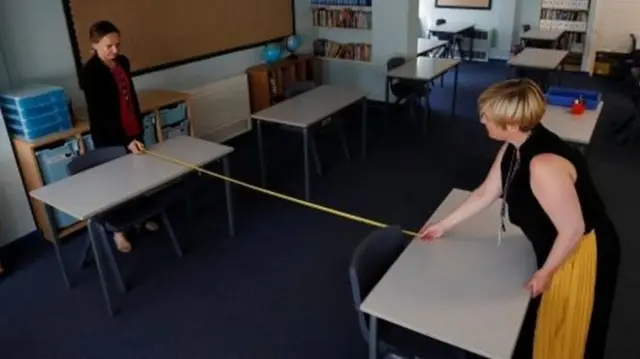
<point>343,18</point>
<point>346,51</point>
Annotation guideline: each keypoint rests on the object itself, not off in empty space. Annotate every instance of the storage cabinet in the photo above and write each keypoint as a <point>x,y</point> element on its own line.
<point>267,83</point>
<point>44,160</point>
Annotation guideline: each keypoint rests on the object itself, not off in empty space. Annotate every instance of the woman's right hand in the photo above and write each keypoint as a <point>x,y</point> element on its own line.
<point>136,147</point>
<point>431,231</point>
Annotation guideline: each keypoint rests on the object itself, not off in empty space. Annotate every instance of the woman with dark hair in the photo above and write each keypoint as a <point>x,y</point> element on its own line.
<point>112,103</point>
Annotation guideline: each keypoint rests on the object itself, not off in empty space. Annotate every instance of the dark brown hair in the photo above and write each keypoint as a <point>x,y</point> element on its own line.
<point>101,29</point>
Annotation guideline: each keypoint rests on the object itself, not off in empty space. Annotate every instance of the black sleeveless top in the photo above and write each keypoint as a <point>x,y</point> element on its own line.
<point>523,208</point>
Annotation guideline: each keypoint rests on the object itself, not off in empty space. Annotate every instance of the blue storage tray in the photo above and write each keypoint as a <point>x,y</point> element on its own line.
<point>31,114</point>
<point>50,114</point>
<point>560,96</point>
<point>174,114</point>
<point>53,167</point>
<point>34,133</point>
<point>33,96</point>
<point>149,130</point>
<point>181,129</point>
<point>88,143</point>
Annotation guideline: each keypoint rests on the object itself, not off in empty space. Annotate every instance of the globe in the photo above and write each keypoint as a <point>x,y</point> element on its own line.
<point>271,53</point>
<point>292,43</point>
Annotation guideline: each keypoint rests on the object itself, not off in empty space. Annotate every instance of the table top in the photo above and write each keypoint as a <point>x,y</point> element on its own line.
<point>463,289</point>
<point>452,27</point>
<point>312,106</point>
<point>426,45</point>
<point>572,128</point>
<point>533,57</point>
<point>540,34</point>
<point>423,68</point>
<point>105,186</point>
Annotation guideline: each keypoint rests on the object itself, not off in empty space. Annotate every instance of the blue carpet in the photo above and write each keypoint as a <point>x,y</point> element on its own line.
<point>280,288</point>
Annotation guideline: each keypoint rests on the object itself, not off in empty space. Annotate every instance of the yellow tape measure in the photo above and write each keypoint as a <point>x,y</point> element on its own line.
<point>335,212</point>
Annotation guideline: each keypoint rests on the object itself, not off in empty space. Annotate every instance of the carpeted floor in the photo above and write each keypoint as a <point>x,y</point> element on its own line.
<point>280,288</point>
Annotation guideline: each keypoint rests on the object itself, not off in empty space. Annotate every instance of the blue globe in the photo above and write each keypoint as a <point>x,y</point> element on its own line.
<point>292,43</point>
<point>271,53</point>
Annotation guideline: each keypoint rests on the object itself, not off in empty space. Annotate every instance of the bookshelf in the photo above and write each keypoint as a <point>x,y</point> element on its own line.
<point>343,29</point>
<point>572,16</point>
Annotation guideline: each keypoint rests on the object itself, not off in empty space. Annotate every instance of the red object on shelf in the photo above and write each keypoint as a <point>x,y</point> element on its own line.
<point>578,107</point>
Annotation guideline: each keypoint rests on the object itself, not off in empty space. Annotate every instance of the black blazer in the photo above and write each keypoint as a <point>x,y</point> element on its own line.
<point>103,102</point>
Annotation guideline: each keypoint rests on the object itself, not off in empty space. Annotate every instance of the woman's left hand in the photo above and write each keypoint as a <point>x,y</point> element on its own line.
<point>538,283</point>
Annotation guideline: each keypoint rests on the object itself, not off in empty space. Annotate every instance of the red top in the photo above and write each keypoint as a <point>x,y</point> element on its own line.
<point>128,115</point>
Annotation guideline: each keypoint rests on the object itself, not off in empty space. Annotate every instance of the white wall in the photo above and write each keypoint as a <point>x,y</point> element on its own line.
<point>504,18</point>
<point>34,44</point>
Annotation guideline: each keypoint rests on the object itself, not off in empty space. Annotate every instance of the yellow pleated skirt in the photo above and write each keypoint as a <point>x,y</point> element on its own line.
<point>563,318</point>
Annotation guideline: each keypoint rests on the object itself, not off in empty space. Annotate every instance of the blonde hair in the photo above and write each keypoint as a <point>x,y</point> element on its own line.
<point>516,102</point>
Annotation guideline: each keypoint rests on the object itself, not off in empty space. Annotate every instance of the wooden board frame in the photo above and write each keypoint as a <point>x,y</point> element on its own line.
<point>465,4</point>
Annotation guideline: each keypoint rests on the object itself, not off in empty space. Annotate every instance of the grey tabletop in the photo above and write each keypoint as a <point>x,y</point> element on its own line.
<point>312,106</point>
<point>540,34</point>
<point>426,45</point>
<point>464,289</point>
<point>570,127</point>
<point>452,27</point>
<point>546,59</point>
<point>423,68</point>
<point>105,186</point>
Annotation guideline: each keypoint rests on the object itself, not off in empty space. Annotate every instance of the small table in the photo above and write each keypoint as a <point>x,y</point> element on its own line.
<point>425,46</point>
<point>547,60</point>
<point>425,69</point>
<point>452,29</point>
<point>463,290</point>
<point>577,129</point>
<point>305,111</point>
<point>101,188</point>
<point>539,35</point>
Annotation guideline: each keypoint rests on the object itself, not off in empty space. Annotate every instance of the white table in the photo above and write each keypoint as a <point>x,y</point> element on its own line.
<point>542,35</point>
<point>425,46</point>
<point>304,111</point>
<point>106,186</point>
<point>425,69</point>
<point>453,29</point>
<point>572,128</point>
<point>463,290</point>
<point>546,61</point>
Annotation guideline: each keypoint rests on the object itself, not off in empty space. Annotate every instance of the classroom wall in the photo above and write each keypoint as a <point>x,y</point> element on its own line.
<point>34,44</point>
<point>504,18</point>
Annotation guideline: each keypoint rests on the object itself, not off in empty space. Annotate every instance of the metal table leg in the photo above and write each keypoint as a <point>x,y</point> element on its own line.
<point>364,127</point>
<point>263,169</point>
<point>455,91</point>
<point>387,105</point>
<point>373,337</point>
<point>228,195</point>
<point>427,108</point>
<point>305,151</point>
<point>56,245</point>
<point>93,237</point>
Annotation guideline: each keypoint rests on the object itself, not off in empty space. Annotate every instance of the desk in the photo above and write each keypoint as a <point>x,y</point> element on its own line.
<point>425,46</point>
<point>106,186</point>
<point>572,128</point>
<point>547,60</point>
<point>453,29</point>
<point>463,290</point>
<point>426,70</point>
<point>539,35</point>
<point>305,111</point>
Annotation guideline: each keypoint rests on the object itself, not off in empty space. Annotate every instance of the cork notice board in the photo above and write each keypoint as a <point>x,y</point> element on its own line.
<point>464,4</point>
<point>158,34</point>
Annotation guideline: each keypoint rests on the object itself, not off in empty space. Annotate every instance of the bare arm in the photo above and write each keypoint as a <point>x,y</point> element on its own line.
<point>553,184</point>
<point>481,198</point>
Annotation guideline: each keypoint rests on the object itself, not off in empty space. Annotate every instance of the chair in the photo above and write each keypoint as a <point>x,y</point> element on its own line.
<point>127,215</point>
<point>370,261</point>
<point>298,88</point>
<point>405,90</point>
<point>631,72</point>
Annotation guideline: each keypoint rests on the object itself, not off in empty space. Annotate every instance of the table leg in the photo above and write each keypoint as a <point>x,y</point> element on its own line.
<point>305,151</point>
<point>227,189</point>
<point>263,170</point>
<point>426,115</point>
<point>364,127</point>
<point>387,106</point>
<point>100,265</point>
<point>373,337</point>
<point>56,245</point>
<point>455,91</point>
<point>471,39</point>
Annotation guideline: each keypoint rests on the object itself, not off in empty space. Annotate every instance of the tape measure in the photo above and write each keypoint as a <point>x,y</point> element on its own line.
<point>328,210</point>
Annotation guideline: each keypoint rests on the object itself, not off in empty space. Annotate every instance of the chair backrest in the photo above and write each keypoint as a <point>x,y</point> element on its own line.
<point>526,27</point>
<point>95,158</point>
<point>440,22</point>
<point>298,88</point>
<point>371,260</point>
<point>394,62</point>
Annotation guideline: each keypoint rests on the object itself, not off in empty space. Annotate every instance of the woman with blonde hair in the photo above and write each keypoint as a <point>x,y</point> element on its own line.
<point>546,186</point>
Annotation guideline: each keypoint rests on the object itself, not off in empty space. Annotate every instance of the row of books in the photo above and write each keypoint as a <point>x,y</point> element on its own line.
<point>351,51</point>
<point>342,2</point>
<point>342,18</point>
<point>549,14</point>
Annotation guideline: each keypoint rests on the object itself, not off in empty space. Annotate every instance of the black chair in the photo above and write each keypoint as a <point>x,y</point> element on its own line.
<point>128,215</point>
<point>300,87</point>
<point>405,91</point>
<point>630,70</point>
<point>371,260</point>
